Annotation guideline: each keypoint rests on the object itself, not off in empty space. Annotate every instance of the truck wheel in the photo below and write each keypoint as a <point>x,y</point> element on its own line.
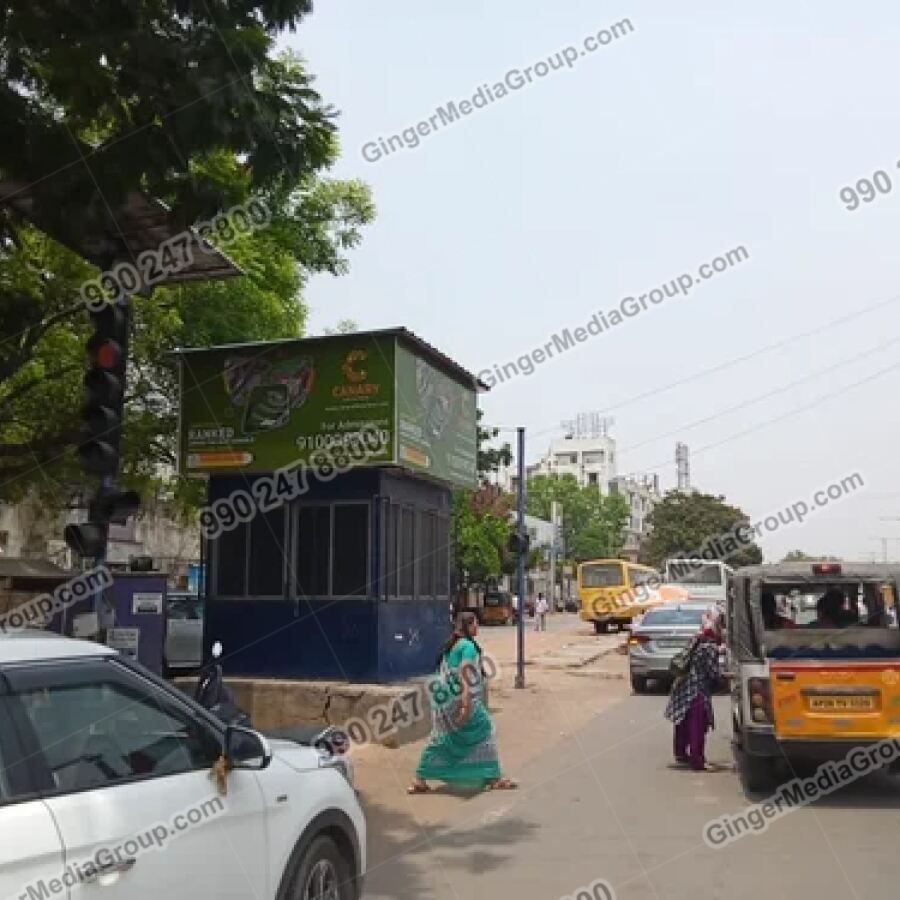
<point>601,627</point>
<point>639,684</point>
<point>757,773</point>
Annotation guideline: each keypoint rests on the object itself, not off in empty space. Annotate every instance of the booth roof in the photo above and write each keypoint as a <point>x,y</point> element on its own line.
<point>404,334</point>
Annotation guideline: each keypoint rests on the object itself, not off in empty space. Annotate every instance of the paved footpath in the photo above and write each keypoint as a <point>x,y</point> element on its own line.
<point>606,802</point>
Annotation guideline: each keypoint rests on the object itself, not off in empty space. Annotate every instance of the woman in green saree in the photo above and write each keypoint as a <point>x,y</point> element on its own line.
<point>462,749</point>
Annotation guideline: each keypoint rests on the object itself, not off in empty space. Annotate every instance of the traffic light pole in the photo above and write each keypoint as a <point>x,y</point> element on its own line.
<point>520,562</point>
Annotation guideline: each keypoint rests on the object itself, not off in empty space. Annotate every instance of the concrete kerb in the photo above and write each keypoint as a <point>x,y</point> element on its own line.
<point>275,704</point>
<point>574,656</point>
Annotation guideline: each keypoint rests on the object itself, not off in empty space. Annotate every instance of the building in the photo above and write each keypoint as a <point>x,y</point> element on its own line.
<point>591,460</point>
<point>31,530</point>
<point>641,492</point>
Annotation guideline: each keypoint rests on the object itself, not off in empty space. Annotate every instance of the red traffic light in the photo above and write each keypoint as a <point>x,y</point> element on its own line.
<point>106,354</point>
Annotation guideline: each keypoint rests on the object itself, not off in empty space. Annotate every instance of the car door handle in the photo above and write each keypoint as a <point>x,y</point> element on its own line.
<point>116,867</point>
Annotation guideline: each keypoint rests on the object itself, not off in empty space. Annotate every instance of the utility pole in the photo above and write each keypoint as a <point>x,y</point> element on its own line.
<point>554,516</point>
<point>522,549</point>
<point>884,545</point>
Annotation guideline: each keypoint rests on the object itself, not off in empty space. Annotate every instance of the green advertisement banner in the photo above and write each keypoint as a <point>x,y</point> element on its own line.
<point>262,407</point>
<point>436,421</point>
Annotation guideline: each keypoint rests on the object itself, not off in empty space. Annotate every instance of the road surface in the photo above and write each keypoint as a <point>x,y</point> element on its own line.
<point>609,804</point>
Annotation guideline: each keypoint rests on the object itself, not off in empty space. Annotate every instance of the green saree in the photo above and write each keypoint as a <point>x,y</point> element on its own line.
<point>459,754</point>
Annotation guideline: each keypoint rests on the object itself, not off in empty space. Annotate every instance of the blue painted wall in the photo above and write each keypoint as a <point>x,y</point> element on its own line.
<point>355,638</point>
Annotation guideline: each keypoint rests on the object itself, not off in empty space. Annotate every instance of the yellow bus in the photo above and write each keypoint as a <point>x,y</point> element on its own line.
<point>614,591</point>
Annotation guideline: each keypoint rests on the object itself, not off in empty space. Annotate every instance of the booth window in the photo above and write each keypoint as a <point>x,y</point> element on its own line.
<point>391,557</point>
<point>427,554</point>
<point>407,552</point>
<point>313,550</point>
<point>351,550</point>
<point>231,562</point>
<point>442,556</point>
<point>267,554</point>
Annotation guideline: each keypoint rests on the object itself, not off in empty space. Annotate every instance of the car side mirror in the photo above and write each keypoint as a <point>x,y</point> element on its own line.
<point>246,748</point>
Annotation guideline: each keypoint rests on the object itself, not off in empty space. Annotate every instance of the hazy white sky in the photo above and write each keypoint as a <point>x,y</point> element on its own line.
<point>712,126</point>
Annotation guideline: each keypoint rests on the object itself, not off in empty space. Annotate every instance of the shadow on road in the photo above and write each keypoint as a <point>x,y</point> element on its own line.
<point>409,860</point>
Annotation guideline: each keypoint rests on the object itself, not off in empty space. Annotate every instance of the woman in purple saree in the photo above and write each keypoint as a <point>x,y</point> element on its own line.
<point>690,706</point>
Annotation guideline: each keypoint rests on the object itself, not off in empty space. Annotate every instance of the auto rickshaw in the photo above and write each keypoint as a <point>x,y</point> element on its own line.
<point>814,655</point>
<point>497,608</point>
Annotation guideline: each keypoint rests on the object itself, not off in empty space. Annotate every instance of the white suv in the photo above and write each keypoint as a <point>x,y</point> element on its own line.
<point>111,779</point>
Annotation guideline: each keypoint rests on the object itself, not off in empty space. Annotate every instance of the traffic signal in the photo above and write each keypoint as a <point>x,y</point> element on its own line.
<point>109,506</point>
<point>519,542</point>
<point>104,384</point>
<point>101,431</point>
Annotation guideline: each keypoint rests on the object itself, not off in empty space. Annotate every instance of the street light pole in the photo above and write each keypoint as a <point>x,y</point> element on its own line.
<point>520,562</point>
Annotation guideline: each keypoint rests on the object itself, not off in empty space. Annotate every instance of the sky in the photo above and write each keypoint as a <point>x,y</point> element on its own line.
<point>704,128</point>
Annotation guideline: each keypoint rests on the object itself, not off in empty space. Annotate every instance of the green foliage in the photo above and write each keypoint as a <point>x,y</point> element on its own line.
<point>184,102</point>
<point>164,91</point>
<point>43,332</point>
<point>490,459</point>
<point>479,539</point>
<point>800,556</point>
<point>683,523</point>
<point>593,525</point>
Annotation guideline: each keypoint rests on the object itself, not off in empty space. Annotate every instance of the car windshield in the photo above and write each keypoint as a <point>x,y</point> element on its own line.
<point>673,617</point>
<point>601,575</point>
<point>688,572</point>
<point>497,600</point>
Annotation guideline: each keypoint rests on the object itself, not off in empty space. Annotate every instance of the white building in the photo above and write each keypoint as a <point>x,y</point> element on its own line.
<point>592,460</point>
<point>641,492</point>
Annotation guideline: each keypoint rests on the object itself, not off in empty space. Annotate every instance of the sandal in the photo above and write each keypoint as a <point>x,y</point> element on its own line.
<point>502,784</point>
<point>418,788</point>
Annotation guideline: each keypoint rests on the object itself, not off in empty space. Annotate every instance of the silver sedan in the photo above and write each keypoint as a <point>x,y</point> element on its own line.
<point>658,636</point>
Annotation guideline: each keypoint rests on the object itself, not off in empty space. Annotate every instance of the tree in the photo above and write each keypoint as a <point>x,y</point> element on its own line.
<point>479,539</point>
<point>800,556</point>
<point>490,459</point>
<point>168,95</point>
<point>593,525</point>
<point>184,102</point>
<point>344,326</point>
<point>685,523</point>
<point>43,332</point>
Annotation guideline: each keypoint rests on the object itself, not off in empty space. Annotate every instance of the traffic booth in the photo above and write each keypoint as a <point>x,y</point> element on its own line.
<point>329,465</point>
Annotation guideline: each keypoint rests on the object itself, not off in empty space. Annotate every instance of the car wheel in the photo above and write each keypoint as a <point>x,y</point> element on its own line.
<point>639,684</point>
<point>322,874</point>
<point>601,627</point>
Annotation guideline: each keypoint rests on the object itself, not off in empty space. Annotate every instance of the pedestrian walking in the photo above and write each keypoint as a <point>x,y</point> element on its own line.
<point>541,608</point>
<point>690,707</point>
<point>462,749</point>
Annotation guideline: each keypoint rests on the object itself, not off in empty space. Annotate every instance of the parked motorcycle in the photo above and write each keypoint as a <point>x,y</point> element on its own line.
<point>213,694</point>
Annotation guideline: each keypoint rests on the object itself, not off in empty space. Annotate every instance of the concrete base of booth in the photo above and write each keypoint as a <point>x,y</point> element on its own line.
<point>277,704</point>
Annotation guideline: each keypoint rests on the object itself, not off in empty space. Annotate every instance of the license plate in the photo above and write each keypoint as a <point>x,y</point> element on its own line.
<point>842,704</point>
<point>671,644</point>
